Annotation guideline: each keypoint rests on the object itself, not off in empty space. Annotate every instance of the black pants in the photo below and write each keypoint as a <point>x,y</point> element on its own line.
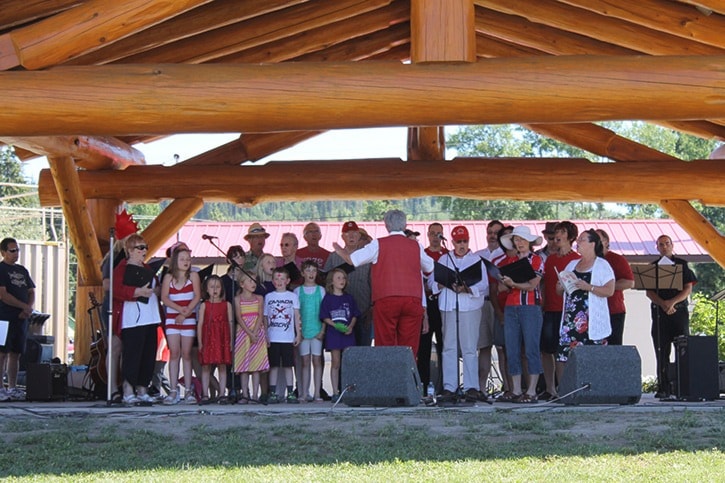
<point>426,344</point>
<point>617,321</point>
<point>139,354</point>
<point>665,328</point>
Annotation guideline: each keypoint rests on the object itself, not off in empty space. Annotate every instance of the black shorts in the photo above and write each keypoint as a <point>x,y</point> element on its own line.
<point>281,354</point>
<point>550,332</point>
<point>17,337</point>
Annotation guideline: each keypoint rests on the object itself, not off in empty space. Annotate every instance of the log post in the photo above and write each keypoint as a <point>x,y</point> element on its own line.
<point>698,227</point>
<point>170,221</point>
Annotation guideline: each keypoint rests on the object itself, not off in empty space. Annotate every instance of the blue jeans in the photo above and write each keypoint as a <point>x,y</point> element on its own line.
<point>522,325</point>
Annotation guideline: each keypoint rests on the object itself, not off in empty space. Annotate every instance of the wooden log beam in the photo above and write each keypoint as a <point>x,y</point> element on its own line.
<point>426,143</point>
<point>522,32</point>
<point>360,33</point>
<point>88,152</point>
<point>606,29</point>
<point>257,31</point>
<point>600,141</point>
<point>703,129</point>
<point>87,27</point>
<point>210,16</point>
<point>18,12</point>
<point>671,17</point>
<point>82,233</point>
<point>170,221</point>
<point>289,97</point>
<point>442,30</point>
<point>716,6</point>
<point>546,179</point>
<point>698,227</point>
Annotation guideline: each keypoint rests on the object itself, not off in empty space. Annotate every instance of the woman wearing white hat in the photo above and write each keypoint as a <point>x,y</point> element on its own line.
<point>523,317</point>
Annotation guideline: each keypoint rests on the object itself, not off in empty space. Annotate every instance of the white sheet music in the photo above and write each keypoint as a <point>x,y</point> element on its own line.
<point>4,324</point>
<point>665,261</point>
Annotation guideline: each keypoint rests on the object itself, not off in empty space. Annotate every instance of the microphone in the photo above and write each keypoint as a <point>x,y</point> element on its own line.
<point>209,237</point>
<point>441,237</point>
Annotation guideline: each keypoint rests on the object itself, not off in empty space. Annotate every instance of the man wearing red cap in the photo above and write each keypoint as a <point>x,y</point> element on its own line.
<point>460,306</point>
<point>358,282</point>
<point>397,283</point>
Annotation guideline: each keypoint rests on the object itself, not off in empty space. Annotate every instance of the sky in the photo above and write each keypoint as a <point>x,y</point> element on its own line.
<point>339,144</point>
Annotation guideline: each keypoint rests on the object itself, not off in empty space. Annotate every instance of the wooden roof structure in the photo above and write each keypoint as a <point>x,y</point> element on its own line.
<point>83,80</point>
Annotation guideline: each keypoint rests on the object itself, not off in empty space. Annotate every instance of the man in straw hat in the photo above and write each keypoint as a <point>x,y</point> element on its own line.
<point>256,237</point>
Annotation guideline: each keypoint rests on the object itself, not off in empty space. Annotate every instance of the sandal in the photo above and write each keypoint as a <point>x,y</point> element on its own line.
<point>525,398</point>
<point>205,400</point>
<point>507,396</point>
<point>117,397</point>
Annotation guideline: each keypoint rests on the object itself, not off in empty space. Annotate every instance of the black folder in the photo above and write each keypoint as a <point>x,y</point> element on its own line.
<point>137,276</point>
<point>492,269</point>
<point>448,277</point>
<point>520,271</point>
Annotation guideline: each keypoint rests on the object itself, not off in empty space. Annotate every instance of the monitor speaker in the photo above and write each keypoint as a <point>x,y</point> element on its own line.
<point>602,374</point>
<point>46,382</point>
<point>698,376</point>
<point>380,376</point>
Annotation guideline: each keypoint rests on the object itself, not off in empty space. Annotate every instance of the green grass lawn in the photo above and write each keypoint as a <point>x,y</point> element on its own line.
<point>368,446</point>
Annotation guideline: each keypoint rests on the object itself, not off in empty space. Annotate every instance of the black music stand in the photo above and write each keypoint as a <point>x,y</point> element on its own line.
<point>654,276</point>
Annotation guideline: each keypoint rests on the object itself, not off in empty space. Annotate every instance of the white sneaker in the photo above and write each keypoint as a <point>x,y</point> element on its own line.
<point>172,398</point>
<point>145,398</point>
<point>4,395</point>
<point>130,400</point>
<point>190,398</point>
<point>16,394</point>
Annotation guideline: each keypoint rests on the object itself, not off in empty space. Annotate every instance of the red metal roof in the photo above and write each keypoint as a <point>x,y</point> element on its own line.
<point>634,239</point>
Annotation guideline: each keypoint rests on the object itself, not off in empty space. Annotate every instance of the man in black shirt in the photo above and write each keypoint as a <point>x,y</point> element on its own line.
<point>17,296</point>
<point>670,316</point>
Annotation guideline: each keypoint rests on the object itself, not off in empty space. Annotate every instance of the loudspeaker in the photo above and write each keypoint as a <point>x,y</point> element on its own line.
<point>613,374</point>
<point>38,348</point>
<point>380,376</point>
<point>46,382</point>
<point>698,376</point>
<point>722,376</point>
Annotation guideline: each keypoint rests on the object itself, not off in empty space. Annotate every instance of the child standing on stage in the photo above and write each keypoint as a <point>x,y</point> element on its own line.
<point>250,347</point>
<point>313,331</point>
<point>339,311</point>
<point>282,317</point>
<point>180,293</point>
<point>214,336</point>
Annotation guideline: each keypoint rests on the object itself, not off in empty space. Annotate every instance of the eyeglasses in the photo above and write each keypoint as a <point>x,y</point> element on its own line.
<point>461,241</point>
<point>141,247</point>
<point>13,250</point>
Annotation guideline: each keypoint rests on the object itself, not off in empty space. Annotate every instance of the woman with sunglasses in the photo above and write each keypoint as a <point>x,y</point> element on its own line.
<point>136,316</point>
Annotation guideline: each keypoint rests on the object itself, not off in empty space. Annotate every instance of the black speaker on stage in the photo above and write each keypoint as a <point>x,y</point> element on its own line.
<point>46,382</point>
<point>698,377</point>
<point>613,375</point>
<point>380,376</point>
<point>38,349</point>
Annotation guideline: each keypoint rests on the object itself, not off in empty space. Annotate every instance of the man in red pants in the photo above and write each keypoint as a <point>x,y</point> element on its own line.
<point>397,283</point>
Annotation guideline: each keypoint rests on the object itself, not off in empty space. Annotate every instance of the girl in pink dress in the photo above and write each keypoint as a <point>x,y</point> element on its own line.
<point>214,335</point>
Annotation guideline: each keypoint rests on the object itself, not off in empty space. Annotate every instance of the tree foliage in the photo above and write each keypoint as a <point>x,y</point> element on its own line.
<point>21,214</point>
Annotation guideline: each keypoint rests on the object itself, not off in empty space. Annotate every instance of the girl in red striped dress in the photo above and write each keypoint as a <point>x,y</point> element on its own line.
<point>180,293</point>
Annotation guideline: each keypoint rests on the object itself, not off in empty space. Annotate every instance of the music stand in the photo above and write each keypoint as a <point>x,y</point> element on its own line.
<point>653,276</point>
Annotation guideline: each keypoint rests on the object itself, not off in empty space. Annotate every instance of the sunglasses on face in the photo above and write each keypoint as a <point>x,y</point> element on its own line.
<point>461,241</point>
<point>13,250</point>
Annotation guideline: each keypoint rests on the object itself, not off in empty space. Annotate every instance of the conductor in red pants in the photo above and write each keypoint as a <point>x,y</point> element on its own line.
<point>397,283</point>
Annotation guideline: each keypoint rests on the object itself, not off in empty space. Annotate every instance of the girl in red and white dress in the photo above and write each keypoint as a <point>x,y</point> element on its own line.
<point>214,336</point>
<point>180,293</point>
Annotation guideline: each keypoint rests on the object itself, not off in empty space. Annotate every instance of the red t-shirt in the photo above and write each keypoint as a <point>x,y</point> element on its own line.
<point>553,302</point>
<point>622,270</point>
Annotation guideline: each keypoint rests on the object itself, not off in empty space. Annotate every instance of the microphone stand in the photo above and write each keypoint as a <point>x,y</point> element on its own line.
<point>230,369</point>
<point>459,389</point>
<point>109,355</point>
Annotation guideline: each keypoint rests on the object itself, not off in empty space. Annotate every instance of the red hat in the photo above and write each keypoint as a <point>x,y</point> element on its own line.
<point>350,226</point>
<point>460,233</point>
